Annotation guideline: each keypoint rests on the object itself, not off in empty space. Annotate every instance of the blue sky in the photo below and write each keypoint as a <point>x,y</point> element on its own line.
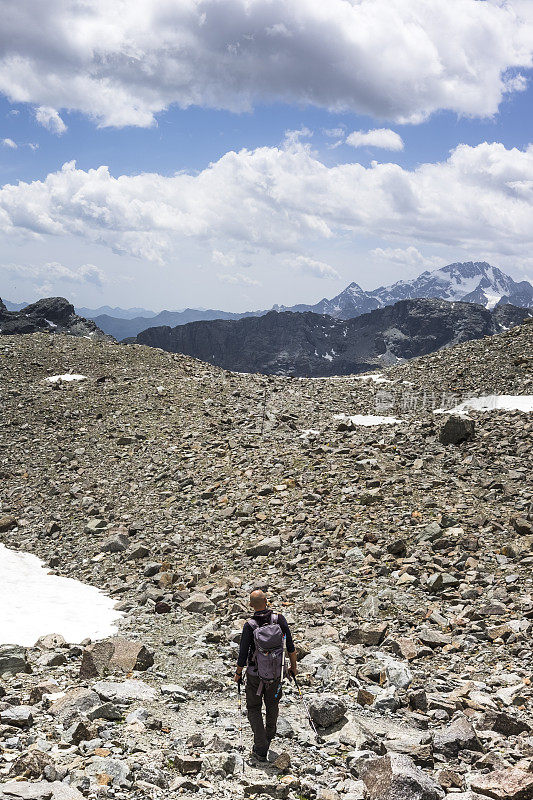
<point>300,215</point>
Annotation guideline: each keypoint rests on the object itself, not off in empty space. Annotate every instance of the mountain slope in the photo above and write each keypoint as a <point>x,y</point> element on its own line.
<point>307,344</point>
<point>126,328</point>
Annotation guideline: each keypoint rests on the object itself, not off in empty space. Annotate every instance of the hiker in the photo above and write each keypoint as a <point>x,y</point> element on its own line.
<point>264,672</point>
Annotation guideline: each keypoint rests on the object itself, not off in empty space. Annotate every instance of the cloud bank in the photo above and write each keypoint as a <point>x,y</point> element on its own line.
<point>285,200</point>
<point>121,63</point>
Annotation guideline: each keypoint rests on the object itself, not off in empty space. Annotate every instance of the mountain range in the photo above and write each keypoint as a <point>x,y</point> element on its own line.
<point>315,345</point>
<point>471,282</point>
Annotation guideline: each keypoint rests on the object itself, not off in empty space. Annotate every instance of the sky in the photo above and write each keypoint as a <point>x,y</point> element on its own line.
<point>235,154</point>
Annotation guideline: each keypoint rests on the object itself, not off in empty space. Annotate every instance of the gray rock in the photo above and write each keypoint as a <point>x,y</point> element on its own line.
<point>115,655</point>
<point>110,771</point>
<point>396,777</point>
<point>115,544</point>
<point>458,735</point>
<point>198,603</point>
<point>456,430</point>
<point>50,642</point>
<point>125,691</point>
<point>73,703</point>
<point>13,659</point>
<point>370,633</point>
<point>326,710</point>
<point>264,547</point>
<point>18,716</point>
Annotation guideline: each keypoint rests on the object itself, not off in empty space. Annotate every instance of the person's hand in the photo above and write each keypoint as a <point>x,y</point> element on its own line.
<point>237,677</point>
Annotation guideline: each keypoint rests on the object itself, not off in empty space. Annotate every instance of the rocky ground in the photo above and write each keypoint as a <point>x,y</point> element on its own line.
<point>403,563</point>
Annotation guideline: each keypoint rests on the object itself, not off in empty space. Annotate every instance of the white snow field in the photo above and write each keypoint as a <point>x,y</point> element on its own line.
<point>34,603</point>
<point>368,419</point>
<point>492,402</point>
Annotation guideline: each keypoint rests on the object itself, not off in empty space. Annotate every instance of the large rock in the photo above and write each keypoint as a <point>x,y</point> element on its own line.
<point>115,655</point>
<point>458,735</point>
<point>17,716</point>
<point>370,633</point>
<point>50,642</point>
<point>40,790</point>
<point>505,784</point>
<point>456,430</point>
<point>264,547</point>
<point>327,710</point>
<point>73,703</point>
<point>125,691</point>
<point>7,523</point>
<point>396,777</point>
<point>13,660</point>
<point>110,771</point>
<point>198,603</point>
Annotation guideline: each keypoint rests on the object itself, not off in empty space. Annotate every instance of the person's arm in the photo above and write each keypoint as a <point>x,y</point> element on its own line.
<point>291,650</point>
<point>244,648</point>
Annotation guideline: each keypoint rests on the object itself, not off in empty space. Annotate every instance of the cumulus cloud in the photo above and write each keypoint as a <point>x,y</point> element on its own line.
<point>379,137</point>
<point>122,63</point>
<point>53,272</point>
<point>9,143</point>
<point>49,118</point>
<point>409,257</point>
<point>238,279</point>
<point>282,200</point>
<point>317,269</point>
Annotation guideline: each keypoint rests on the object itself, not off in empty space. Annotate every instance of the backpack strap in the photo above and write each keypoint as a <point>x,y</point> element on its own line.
<point>253,623</point>
<point>274,619</point>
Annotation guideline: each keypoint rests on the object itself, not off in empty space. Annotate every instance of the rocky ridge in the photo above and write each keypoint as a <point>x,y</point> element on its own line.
<point>402,563</point>
<point>305,344</point>
<point>50,315</point>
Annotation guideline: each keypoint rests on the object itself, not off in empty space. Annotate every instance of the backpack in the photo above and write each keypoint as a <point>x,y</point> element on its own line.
<point>269,648</point>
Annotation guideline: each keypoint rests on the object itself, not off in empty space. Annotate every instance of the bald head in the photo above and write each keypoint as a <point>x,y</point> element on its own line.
<point>258,600</point>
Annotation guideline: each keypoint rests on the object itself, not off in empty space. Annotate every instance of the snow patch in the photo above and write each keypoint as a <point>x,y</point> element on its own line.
<point>34,603</point>
<point>368,419</point>
<point>492,402</point>
<point>375,377</point>
<point>65,378</point>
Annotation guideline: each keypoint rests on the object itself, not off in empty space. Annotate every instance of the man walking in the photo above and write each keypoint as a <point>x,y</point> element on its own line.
<point>258,689</point>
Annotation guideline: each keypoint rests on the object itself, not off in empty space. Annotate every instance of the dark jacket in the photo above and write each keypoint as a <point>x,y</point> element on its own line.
<point>247,646</point>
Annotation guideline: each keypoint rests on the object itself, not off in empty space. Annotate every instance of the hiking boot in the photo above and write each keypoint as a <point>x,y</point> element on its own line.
<point>258,756</point>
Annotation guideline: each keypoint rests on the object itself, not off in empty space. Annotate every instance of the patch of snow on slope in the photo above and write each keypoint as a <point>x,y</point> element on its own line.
<point>375,377</point>
<point>492,402</point>
<point>368,419</point>
<point>34,603</point>
<point>65,378</point>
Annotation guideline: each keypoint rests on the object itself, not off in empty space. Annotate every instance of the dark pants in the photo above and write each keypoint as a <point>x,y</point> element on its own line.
<point>263,734</point>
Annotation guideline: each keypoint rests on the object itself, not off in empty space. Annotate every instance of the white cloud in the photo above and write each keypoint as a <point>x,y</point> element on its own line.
<point>46,275</point>
<point>122,63</point>
<point>282,201</point>
<point>9,143</point>
<point>238,279</point>
<point>409,257</point>
<point>314,268</point>
<point>379,137</point>
<point>50,119</point>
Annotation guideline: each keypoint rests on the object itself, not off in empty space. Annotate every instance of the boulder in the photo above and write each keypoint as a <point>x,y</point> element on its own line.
<point>73,703</point>
<point>40,790</point>
<point>456,430</point>
<point>115,655</point>
<point>458,735</point>
<point>198,603</point>
<point>370,633</point>
<point>327,710</point>
<point>30,764</point>
<point>17,716</point>
<point>125,691</point>
<point>13,659</point>
<point>50,642</point>
<point>264,547</point>
<point>505,784</point>
<point>110,771</point>
<point>115,544</point>
<point>7,523</point>
<point>396,777</point>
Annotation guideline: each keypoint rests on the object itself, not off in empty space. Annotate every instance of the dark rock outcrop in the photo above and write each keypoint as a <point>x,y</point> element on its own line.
<point>306,344</point>
<point>50,315</point>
